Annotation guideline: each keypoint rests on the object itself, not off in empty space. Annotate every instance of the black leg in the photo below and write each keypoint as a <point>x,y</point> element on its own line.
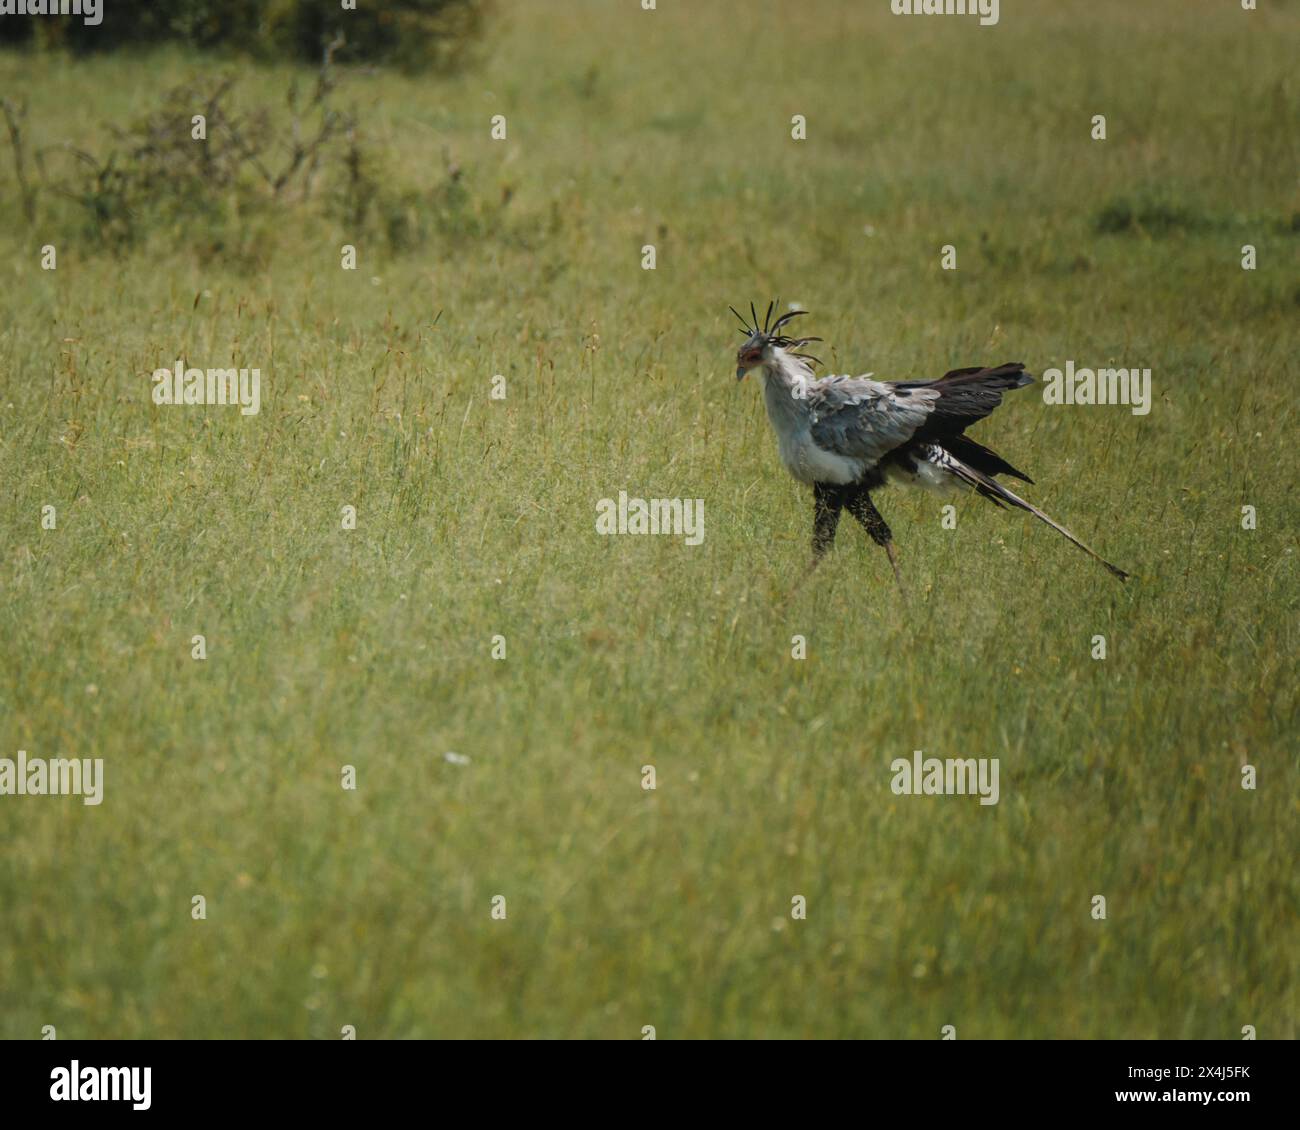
<point>827,503</point>
<point>864,510</point>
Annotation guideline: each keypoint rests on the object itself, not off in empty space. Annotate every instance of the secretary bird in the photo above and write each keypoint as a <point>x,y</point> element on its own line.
<point>849,436</point>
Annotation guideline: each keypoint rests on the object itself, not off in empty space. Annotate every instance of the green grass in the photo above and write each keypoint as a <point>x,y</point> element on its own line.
<point>371,647</point>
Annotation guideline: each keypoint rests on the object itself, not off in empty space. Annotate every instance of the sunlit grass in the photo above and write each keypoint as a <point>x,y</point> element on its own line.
<point>372,647</point>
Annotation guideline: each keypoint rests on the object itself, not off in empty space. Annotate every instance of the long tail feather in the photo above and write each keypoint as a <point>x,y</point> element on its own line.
<point>1016,500</point>
<point>991,489</point>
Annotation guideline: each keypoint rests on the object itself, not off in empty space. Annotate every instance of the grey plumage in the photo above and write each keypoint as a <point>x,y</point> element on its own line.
<point>866,419</point>
<point>848,436</point>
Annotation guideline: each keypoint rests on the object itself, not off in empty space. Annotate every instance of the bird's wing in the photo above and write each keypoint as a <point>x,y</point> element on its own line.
<point>866,419</point>
<point>965,396</point>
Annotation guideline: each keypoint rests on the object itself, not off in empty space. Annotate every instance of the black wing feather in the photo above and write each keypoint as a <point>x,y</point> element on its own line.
<point>966,396</point>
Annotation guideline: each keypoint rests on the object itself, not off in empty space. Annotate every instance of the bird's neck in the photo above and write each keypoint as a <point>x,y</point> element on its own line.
<point>786,369</point>
<point>784,379</point>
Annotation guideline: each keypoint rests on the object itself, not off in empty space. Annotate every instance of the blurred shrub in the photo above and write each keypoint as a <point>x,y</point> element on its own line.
<point>412,34</point>
<point>230,193</point>
<point>156,171</point>
<point>1148,214</point>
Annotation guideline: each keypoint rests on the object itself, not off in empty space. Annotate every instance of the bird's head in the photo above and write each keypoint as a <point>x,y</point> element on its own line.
<point>761,343</point>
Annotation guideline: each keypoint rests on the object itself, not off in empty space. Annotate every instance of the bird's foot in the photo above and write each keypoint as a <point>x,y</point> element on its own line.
<point>893,560</point>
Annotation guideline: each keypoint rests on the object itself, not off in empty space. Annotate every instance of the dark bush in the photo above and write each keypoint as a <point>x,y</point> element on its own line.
<point>251,171</point>
<point>1151,213</point>
<point>413,34</point>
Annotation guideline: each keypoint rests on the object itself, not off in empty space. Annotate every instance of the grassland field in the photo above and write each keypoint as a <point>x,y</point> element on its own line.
<point>372,647</point>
